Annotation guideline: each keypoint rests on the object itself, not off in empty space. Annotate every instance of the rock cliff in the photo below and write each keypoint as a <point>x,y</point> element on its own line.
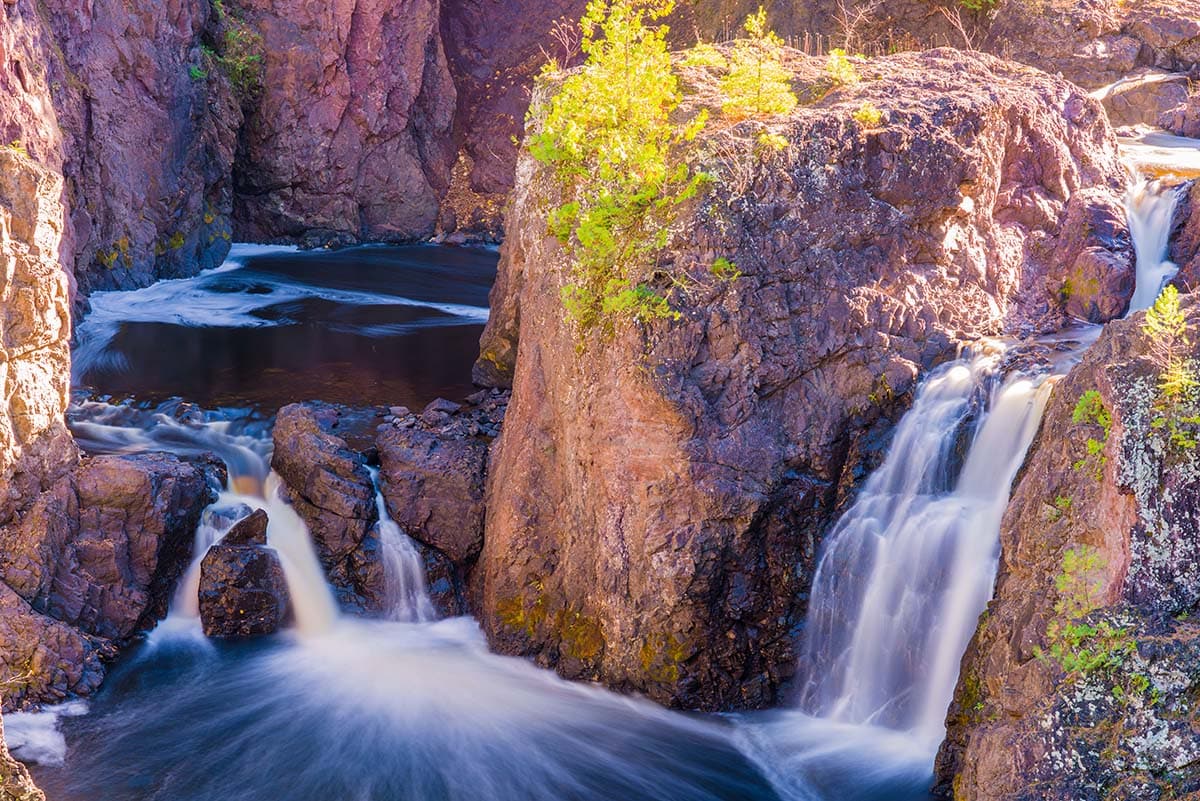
<point>1080,682</point>
<point>655,500</point>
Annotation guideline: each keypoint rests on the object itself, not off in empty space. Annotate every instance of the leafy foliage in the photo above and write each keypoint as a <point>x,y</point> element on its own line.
<point>840,69</point>
<point>1166,325</point>
<point>868,116</point>
<point>239,54</point>
<point>757,82</point>
<point>608,135</point>
<point>724,269</point>
<point>704,54</point>
<point>1078,646</point>
<point>1090,410</point>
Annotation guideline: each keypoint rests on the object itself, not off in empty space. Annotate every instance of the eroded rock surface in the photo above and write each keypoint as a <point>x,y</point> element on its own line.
<point>351,137</point>
<point>655,501</point>
<point>243,589</point>
<point>1022,727</point>
<point>329,485</point>
<point>92,562</point>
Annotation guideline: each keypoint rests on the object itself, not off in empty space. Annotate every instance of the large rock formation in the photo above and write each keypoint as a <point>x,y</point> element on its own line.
<point>328,483</point>
<point>655,499</point>
<point>1097,43</point>
<point>116,98</point>
<point>1105,716</point>
<point>350,138</point>
<point>35,331</point>
<point>91,562</point>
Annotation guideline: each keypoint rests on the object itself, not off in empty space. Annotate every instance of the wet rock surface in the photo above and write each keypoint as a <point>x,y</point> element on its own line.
<point>330,487</point>
<point>92,562</point>
<point>243,590</point>
<point>1024,727</point>
<point>655,501</point>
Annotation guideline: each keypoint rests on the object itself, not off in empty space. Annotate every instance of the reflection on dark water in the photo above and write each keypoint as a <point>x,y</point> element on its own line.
<point>366,326</point>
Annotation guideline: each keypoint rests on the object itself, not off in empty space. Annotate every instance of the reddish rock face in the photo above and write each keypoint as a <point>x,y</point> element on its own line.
<point>1095,44</point>
<point>1020,727</point>
<point>147,143</point>
<point>350,138</point>
<point>330,487</point>
<point>655,500</point>
<point>94,560</point>
<point>35,330</point>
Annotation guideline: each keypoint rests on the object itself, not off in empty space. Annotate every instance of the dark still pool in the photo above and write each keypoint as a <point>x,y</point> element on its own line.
<point>364,326</point>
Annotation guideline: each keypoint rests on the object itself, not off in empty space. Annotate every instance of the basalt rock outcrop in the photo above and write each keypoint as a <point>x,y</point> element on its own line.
<point>35,330</point>
<point>655,500</point>
<point>330,487</point>
<point>92,562</point>
<point>350,137</point>
<point>1121,721</point>
<point>243,590</point>
<point>115,98</point>
<point>1097,43</point>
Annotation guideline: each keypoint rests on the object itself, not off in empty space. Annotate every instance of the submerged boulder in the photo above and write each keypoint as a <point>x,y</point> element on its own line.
<point>1081,679</point>
<point>243,589</point>
<point>656,498</point>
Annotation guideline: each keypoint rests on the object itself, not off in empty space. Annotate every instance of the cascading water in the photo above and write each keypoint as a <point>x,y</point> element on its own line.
<point>1150,206</point>
<point>909,567</point>
<point>407,596</point>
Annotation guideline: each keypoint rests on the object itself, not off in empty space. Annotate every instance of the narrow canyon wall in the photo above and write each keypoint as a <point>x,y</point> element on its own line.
<point>351,136</point>
<point>655,500</point>
<point>1121,721</point>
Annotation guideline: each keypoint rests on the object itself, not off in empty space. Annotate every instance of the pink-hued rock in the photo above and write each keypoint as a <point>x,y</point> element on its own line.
<point>350,139</point>
<point>1184,119</point>
<point>144,144</point>
<point>655,499</point>
<point>35,330</point>
<point>1097,43</point>
<point>103,547</point>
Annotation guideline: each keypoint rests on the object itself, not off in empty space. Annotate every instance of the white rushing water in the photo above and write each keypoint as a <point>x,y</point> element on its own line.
<point>404,571</point>
<point>1150,207</point>
<point>908,569</point>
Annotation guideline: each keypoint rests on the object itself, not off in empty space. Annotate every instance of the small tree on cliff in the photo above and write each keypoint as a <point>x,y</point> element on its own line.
<point>757,81</point>
<point>608,135</point>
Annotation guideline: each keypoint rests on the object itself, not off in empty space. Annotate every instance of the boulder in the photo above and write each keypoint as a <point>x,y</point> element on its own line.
<point>1144,97</point>
<point>103,548</point>
<point>243,589</point>
<point>433,487</point>
<point>656,497</point>
<point>1184,119</point>
<point>329,485</point>
<point>1122,722</point>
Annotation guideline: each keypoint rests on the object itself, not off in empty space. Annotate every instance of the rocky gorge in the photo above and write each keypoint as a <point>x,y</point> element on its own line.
<point>644,504</point>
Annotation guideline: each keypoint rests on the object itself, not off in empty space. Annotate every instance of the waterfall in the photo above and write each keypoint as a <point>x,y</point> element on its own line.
<point>407,597</point>
<point>909,567</point>
<point>1150,206</point>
